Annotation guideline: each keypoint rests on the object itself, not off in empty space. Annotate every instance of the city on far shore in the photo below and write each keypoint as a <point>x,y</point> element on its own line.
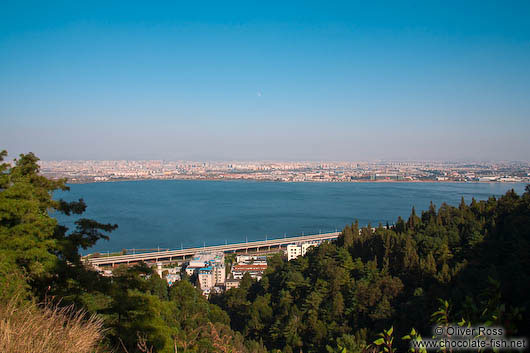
<point>87,171</point>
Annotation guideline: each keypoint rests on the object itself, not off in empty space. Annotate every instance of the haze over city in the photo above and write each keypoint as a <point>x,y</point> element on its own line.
<point>290,81</point>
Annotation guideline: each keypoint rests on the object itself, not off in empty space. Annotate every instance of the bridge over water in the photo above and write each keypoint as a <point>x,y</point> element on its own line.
<point>173,255</point>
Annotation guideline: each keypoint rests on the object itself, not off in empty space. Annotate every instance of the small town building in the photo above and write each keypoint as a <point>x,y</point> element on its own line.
<point>295,250</point>
<point>255,271</point>
<point>231,283</point>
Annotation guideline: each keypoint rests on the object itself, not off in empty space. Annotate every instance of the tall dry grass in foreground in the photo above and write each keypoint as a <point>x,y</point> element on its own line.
<point>27,328</point>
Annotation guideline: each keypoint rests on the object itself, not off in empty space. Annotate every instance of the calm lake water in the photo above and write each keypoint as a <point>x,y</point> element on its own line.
<point>175,213</point>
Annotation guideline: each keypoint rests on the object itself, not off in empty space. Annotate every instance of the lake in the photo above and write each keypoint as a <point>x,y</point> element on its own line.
<point>188,213</point>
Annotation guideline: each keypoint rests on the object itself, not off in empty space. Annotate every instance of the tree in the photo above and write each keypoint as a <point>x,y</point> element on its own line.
<point>413,221</point>
<point>31,241</point>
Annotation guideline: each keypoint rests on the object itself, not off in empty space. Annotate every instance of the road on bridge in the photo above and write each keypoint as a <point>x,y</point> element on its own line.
<point>183,253</point>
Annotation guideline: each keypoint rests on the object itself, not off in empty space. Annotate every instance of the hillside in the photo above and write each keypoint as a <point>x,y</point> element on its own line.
<point>474,256</point>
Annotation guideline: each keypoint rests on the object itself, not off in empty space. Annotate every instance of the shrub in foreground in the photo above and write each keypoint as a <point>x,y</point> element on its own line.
<point>28,328</point>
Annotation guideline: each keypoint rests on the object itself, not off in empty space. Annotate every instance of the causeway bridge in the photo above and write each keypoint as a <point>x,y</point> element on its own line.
<point>182,254</point>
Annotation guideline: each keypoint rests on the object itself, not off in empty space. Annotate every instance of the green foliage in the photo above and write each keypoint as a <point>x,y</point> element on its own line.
<point>32,243</point>
<point>385,341</point>
<point>441,316</point>
<point>12,282</point>
<point>414,336</point>
<point>141,305</point>
<point>369,280</point>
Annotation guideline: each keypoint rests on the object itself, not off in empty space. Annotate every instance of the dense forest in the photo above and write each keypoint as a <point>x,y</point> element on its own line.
<point>469,263</point>
<point>475,257</point>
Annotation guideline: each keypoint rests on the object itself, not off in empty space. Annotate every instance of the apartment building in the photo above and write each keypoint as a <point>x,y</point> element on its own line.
<point>254,270</point>
<point>295,250</point>
<point>210,268</point>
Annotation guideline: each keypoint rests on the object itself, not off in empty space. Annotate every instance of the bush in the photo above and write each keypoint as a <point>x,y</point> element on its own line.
<point>29,328</point>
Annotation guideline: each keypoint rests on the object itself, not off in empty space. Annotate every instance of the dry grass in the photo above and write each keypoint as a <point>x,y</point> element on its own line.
<point>27,328</point>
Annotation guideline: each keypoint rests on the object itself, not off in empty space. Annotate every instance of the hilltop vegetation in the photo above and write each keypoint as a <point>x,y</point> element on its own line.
<point>475,256</point>
<point>338,296</point>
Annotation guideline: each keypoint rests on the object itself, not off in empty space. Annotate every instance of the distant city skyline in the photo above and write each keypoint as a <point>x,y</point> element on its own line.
<point>101,171</point>
<point>295,81</point>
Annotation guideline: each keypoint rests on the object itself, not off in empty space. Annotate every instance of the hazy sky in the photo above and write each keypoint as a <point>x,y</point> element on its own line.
<point>280,80</point>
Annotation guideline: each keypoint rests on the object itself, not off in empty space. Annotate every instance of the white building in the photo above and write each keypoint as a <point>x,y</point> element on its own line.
<point>254,270</point>
<point>210,268</point>
<point>159,269</point>
<point>219,273</point>
<point>172,273</point>
<point>206,278</point>
<point>295,250</point>
<point>306,246</point>
<point>197,262</point>
<point>231,283</point>
<point>487,178</point>
<point>201,260</point>
<point>172,278</point>
<point>212,276</point>
<point>251,258</point>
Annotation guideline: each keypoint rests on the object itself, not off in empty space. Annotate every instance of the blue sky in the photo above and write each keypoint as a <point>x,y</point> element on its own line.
<point>266,80</point>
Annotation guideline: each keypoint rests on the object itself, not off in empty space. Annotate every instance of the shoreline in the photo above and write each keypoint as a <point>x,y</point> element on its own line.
<point>301,181</point>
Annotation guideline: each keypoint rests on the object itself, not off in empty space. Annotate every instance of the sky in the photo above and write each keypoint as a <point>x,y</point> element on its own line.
<point>265,80</point>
